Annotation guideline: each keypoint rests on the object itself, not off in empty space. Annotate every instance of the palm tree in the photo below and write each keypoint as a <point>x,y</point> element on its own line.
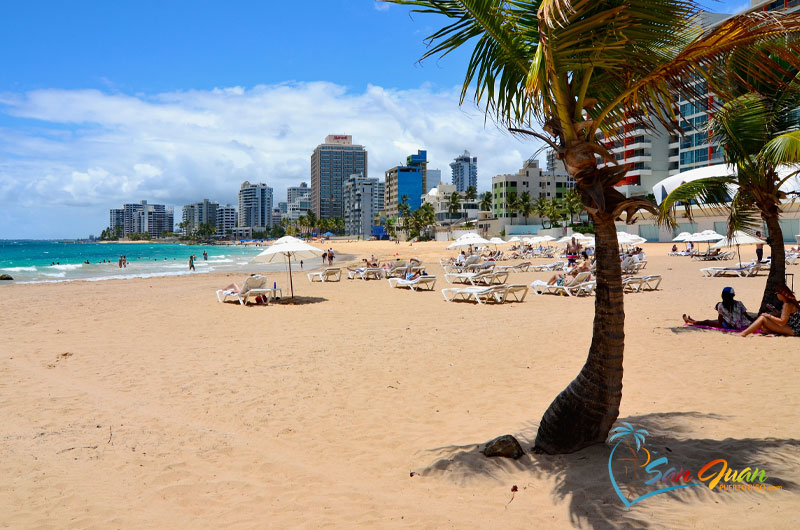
<point>540,207</point>
<point>302,222</point>
<point>758,129</point>
<point>311,219</point>
<point>576,68</point>
<point>486,202</point>
<point>525,206</point>
<point>405,211</point>
<point>512,204</point>
<point>453,205</point>
<point>470,195</point>
<point>572,204</point>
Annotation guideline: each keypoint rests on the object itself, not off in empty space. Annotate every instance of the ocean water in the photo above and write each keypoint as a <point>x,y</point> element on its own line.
<point>52,261</point>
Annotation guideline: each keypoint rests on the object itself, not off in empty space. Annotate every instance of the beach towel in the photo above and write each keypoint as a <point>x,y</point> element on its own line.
<point>717,328</point>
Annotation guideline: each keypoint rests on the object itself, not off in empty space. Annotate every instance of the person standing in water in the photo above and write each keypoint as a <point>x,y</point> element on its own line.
<point>191,262</point>
<point>205,256</point>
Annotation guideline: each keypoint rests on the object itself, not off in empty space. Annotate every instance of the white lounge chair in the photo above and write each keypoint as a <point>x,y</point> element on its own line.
<point>517,291</point>
<point>479,294</point>
<point>743,270</point>
<point>253,286</point>
<point>555,266</point>
<point>333,274</point>
<point>490,278</point>
<point>429,282</point>
<point>573,287</point>
<point>365,273</point>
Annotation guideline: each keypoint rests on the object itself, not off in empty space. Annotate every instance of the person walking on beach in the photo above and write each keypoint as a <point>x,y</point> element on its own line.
<point>324,258</point>
<point>330,256</point>
<point>191,262</point>
<point>759,247</point>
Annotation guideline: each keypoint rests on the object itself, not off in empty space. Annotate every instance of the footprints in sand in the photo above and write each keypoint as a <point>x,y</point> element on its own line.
<point>60,357</point>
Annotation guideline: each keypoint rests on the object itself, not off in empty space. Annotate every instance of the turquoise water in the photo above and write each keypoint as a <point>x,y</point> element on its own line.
<point>43,261</point>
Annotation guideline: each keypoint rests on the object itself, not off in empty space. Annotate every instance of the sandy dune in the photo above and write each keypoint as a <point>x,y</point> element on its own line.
<point>147,404</point>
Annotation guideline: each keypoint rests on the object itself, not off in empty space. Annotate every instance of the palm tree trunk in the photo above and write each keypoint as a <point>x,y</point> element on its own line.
<point>777,268</point>
<point>583,413</point>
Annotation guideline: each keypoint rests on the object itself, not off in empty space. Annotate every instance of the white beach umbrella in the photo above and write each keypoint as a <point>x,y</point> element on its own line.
<point>285,249</point>
<point>705,236</point>
<point>738,238</point>
<point>497,241</point>
<point>546,238</point>
<point>514,239</point>
<point>467,240</point>
<point>624,238</point>
<point>682,236</point>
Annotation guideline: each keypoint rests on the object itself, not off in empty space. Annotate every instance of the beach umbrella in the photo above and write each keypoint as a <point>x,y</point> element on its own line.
<point>738,238</point>
<point>706,236</point>
<point>286,248</point>
<point>682,236</point>
<point>514,239</point>
<point>467,240</point>
<point>497,241</point>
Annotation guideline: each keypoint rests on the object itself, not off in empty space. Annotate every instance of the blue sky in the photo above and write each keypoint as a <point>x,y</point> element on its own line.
<point>110,102</point>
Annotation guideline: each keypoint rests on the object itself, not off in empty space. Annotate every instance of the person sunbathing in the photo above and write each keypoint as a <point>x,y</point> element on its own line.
<point>233,288</point>
<point>788,323</point>
<point>584,265</point>
<point>732,314</point>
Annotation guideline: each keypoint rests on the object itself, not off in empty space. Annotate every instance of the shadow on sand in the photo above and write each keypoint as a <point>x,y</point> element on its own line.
<point>298,300</point>
<point>582,478</point>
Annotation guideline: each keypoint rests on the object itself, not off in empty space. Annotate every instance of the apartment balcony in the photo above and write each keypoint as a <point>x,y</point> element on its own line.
<point>674,145</point>
<point>636,159</point>
<point>638,145</point>
<point>674,158</point>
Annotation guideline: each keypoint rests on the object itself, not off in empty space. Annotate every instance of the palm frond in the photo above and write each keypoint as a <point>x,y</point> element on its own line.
<point>783,149</point>
<point>703,193</point>
<point>743,214</point>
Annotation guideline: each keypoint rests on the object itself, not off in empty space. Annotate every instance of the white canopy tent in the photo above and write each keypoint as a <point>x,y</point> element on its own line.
<point>669,184</point>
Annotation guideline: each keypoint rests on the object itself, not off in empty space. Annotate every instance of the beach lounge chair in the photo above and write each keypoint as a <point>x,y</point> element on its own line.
<point>650,282</point>
<point>479,294</point>
<point>253,286</point>
<point>366,273</point>
<point>423,283</point>
<point>466,277</point>
<point>555,266</point>
<point>516,291</point>
<point>332,274</point>
<point>632,284</point>
<point>742,270</point>
<point>573,287</point>
<point>489,278</point>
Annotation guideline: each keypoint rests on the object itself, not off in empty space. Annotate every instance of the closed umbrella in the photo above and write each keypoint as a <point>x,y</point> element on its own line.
<point>286,248</point>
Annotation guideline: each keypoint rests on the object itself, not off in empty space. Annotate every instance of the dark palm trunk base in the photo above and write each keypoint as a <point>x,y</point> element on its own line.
<point>584,412</point>
<point>777,269</point>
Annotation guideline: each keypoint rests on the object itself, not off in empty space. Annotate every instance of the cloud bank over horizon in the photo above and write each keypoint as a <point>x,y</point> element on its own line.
<point>67,156</point>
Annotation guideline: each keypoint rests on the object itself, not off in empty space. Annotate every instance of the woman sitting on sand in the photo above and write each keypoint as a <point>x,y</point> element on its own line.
<point>786,324</point>
<point>732,314</point>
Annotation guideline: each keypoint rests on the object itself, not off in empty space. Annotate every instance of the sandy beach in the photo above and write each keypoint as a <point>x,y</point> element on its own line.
<point>145,403</point>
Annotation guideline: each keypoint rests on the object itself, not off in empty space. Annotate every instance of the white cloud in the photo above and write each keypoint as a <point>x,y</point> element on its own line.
<point>381,6</point>
<point>93,150</point>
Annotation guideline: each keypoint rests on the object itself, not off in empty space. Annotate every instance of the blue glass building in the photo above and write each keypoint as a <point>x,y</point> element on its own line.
<point>406,181</point>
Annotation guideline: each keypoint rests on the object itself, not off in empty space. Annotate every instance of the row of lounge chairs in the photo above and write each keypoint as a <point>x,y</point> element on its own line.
<point>483,277</point>
<point>482,295</point>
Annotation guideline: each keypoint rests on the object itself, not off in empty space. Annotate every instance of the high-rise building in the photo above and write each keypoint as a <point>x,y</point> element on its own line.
<point>433,179</point>
<point>295,192</point>
<point>116,218</point>
<point>363,200</point>
<point>331,163</point>
<point>276,216</point>
<point>439,197</point>
<point>195,214</point>
<point>298,208</point>
<point>464,172</point>
<point>153,219</point>
<point>226,219</point>
<point>406,182</point>
<point>255,206</point>
<point>283,206</point>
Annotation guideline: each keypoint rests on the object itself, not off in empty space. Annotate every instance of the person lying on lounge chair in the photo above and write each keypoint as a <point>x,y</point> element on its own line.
<point>411,276</point>
<point>233,288</point>
<point>732,314</point>
<point>584,265</point>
